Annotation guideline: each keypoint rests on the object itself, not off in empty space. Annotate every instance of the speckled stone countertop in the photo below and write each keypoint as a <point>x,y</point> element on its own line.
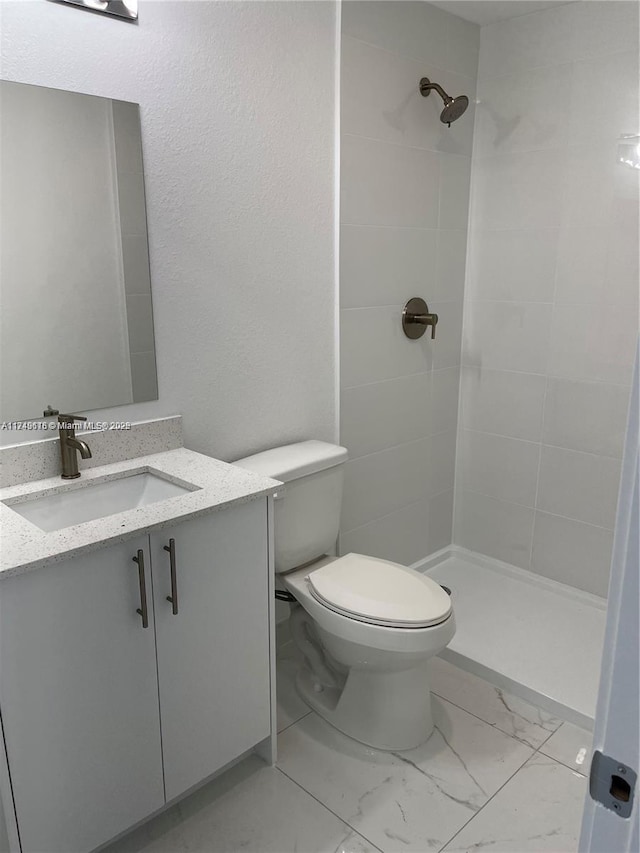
<point>24,547</point>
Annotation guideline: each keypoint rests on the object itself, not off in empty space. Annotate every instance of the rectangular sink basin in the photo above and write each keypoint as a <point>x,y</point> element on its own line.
<point>96,500</point>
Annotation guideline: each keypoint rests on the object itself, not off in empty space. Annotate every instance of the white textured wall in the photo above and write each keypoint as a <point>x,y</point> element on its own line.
<point>237,112</point>
<point>551,311</point>
<point>404,208</point>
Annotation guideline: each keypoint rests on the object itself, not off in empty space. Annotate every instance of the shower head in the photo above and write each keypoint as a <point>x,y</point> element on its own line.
<point>453,107</point>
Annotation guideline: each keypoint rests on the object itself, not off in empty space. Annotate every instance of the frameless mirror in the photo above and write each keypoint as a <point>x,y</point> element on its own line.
<point>76,324</point>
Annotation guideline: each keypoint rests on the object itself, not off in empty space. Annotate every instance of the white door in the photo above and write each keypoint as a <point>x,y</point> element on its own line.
<point>617,723</point>
<point>79,700</point>
<point>213,654</point>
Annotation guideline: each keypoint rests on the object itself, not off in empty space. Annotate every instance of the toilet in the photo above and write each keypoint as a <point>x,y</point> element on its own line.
<point>366,627</point>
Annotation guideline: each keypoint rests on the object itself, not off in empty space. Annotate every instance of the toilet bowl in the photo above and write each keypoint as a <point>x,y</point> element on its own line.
<point>366,627</point>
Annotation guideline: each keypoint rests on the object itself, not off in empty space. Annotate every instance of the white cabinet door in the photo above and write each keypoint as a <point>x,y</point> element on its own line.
<point>213,655</point>
<point>79,700</point>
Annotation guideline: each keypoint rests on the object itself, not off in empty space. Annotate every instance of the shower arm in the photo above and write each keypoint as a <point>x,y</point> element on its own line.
<point>427,86</point>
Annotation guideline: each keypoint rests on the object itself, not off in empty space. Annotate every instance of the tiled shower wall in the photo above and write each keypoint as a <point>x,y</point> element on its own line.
<point>551,313</point>
<point>404,210</point>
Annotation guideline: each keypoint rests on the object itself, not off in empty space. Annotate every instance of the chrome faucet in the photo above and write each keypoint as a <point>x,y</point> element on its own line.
<point>69,445</point>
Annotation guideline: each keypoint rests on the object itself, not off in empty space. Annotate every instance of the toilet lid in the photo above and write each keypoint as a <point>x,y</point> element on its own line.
<point>380,592</point>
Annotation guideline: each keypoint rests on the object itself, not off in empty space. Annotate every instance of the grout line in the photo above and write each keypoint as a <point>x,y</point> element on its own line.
<point>495,794</point>
<point>541,511</point>
<point>394,511</point>
<point>288,726</point>
<point>403,444</point>
<point>398,305</point>
<point>325,806</point>
<point>542,442</point>
<point>412,58</point>
<point>437,152</point>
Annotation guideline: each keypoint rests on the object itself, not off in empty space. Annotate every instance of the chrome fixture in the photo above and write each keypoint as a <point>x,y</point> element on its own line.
<point>69,445</point>
<point>416,317</point>
<point>453,107</point>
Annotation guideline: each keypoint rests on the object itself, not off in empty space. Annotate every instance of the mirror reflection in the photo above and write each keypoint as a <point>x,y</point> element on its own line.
<point>76,323</point>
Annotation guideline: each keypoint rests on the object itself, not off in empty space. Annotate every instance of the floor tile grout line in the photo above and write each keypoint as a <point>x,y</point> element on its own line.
<point>506,782</point>
<point>324,805</point>
<point>293,722</point>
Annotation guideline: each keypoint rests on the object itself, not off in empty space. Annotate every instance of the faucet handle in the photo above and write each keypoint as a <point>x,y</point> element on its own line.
<point>69,419</point>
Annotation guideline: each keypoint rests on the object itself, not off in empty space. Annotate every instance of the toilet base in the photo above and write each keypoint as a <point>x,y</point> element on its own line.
<point>385,710</point>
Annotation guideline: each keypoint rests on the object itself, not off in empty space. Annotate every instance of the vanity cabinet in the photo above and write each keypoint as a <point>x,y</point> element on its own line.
<point>79,700</point>
<point>213,654</point>
<point>106,721</point>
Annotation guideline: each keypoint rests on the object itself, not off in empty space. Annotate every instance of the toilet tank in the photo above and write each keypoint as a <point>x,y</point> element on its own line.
<point>307,511</point>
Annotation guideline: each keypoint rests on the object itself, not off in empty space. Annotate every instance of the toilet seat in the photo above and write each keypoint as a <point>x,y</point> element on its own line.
<point>379,592</point>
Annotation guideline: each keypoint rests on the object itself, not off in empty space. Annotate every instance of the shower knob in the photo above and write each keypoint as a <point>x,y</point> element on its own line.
<point>416,317</point>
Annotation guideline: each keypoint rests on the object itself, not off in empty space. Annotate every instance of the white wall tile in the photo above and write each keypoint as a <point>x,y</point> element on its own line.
<point>513,265</point>
<point>455,176</point>
<point>385,184</point>
<point>554,222</point>
<point>384,414</point>
<point>445,385</point>
<point>496,528</point>
<point>503,468</point>
<point>582,261</point>
<point>588,416</point>
<point>442,463</point>
<point>578,485</point>
<point>603,96</point>
<point>516,113</point>
<point>410,29</point>
<point>606,27</point>
<point>402,536</point>
<point>374,347</point>
<point>502,402</point>
<point>446,346</point>
<point>440,520</point>
<point>390,107</point>
<point>571,552</point>
<point>463,46</point>
<point>530,41</point>
<point>404,210</point>
<point>508,336</point>
<point>383,482</point>
<point>623,261</point>
<point>519,190</point>
<point>450,267</point>
<point>587,185</point>
<point>386,266</point>
<point>593,342</point>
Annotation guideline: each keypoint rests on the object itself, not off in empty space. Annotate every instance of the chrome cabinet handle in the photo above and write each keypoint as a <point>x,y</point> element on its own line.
<point>173,598</point>
<point>142,610</point>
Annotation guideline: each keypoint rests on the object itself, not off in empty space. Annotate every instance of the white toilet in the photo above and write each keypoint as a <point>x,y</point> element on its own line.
<point>366,627</point>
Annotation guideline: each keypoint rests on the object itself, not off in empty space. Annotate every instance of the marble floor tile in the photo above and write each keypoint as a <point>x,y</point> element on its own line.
<point>572,746</point>
<point>506,712</point>
<point>539,809</point>
<point>290,706</point>
<point>410,801</point>
<point>252,808</point>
